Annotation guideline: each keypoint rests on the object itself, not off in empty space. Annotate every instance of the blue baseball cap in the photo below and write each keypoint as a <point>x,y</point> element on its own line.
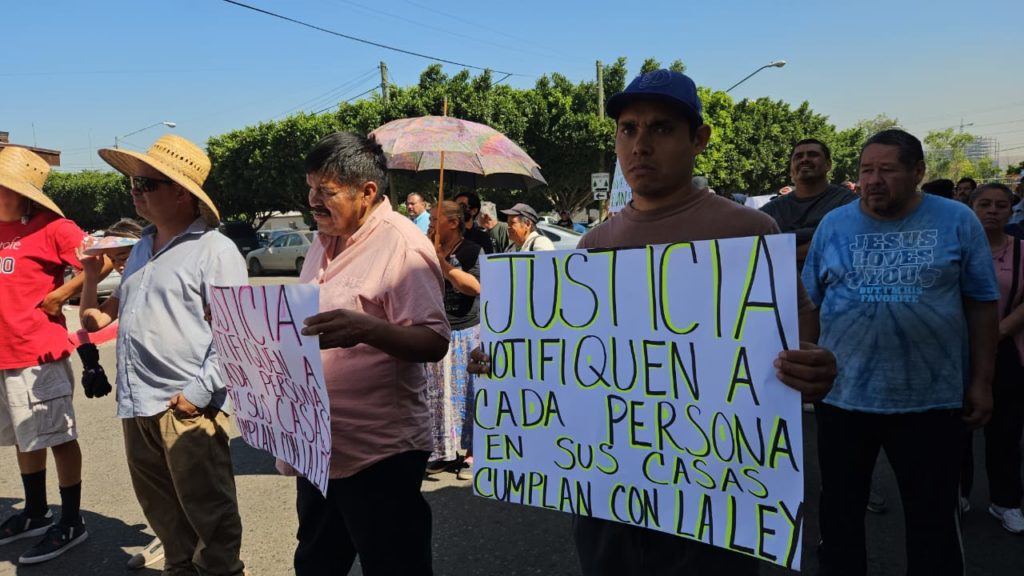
<point>663,85</point>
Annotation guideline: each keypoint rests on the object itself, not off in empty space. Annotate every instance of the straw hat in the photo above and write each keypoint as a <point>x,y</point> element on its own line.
<point>24,172</point>
<point>177,159</point>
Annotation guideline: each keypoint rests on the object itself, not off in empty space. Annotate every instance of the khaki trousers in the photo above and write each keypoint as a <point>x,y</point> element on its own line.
<point>181,471</point>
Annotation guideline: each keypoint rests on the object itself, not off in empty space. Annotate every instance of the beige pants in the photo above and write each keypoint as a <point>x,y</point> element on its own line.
<point>181,471</point>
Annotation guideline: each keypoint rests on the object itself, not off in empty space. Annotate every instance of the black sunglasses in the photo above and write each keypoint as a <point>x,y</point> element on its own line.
<point>146,183</point>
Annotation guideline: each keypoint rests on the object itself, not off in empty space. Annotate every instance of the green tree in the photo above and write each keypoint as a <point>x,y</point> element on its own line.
<point>1015,169</point>
<point>258,169</point>
<point>871,126</point>
<point>649,65</point>
<point>763,133</point>
<point>946,157</point>
<point>846,144</point>
<point>717,162</point>
<point>615,77</point>
<point>90,198</point>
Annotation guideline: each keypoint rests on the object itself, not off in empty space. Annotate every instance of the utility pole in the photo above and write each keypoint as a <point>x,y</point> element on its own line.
<point>384,82</point>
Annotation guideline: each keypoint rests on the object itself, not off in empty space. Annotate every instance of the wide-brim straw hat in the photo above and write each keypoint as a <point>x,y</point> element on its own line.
<point>25,172</point>
<point>177,159</point>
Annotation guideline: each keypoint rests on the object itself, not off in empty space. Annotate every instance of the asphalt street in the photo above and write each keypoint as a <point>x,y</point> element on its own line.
<point>472,536</point>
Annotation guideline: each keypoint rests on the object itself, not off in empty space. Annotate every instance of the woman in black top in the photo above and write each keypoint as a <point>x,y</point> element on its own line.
<point>449,385</point>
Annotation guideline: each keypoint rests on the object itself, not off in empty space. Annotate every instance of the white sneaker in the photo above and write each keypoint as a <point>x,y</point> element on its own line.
<point>1012,518</point>
<point>151,554</point>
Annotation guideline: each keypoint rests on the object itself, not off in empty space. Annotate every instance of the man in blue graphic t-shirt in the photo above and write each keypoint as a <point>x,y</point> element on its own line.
<point>908,298</point>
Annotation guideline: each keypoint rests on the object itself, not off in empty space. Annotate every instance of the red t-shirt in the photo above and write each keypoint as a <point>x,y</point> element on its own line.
<point>32,261</point>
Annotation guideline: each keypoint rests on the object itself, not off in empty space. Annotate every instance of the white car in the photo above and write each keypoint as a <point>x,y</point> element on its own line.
<point>562,238</point>
<point>287,252</point>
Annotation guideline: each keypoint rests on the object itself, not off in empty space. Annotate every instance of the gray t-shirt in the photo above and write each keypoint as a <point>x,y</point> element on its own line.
<point>802,215</point>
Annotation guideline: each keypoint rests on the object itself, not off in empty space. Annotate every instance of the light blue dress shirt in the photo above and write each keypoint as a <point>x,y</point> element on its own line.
<point>164,344</point>
<point>423,221</point>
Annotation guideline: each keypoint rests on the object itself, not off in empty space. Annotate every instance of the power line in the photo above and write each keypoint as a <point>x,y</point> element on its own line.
<point>356,97</point>
<point>333,92</point>
<point>423,24</point>
<point>1017,131</point>
<point>345,99</point>
<point>998,123</point>
<point>989,110</point>
<point>370,42</point>
<point>548,49</point>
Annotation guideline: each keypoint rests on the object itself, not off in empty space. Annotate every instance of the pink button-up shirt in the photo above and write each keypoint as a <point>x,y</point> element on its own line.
<point>387,269</point>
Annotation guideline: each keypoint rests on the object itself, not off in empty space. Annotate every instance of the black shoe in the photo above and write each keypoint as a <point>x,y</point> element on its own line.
<point>58,540</point>
<point>439,466</point>
<point>21,526</point>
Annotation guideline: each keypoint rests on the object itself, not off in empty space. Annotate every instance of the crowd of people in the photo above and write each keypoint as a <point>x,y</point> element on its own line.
<point>910,316</point>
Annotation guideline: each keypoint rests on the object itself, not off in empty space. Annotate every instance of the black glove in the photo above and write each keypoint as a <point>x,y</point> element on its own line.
<point>94,379</point>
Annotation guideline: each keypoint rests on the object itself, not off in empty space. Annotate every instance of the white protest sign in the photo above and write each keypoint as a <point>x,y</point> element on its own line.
<point>621,192</point>
<point>637,385</point>
<point>273,373</point>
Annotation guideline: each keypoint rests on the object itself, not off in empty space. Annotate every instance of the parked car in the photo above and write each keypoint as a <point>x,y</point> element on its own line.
<point>286,252</point>
<point>562,238</point>
<point>268,236</point>
<point>242,234</point>
<point>104,289</point>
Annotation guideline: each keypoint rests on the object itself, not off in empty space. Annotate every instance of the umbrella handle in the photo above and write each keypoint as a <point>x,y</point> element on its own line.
<point>440,186</point>
<point>440,199</point>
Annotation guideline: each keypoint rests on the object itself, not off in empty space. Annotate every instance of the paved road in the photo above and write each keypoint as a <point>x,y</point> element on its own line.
<point>472,536</point>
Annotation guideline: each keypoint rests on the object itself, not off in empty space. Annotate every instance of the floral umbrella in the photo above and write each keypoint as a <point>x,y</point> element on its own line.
<point>469,154</point>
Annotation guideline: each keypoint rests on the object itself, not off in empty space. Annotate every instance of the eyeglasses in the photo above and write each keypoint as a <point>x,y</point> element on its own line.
<point>147,184</point>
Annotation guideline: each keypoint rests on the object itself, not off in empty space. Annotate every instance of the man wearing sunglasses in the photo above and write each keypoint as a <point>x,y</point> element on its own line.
<point>170,395</point>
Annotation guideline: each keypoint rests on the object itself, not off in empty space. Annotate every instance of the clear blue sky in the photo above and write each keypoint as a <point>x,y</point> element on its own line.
<point>76,74</point>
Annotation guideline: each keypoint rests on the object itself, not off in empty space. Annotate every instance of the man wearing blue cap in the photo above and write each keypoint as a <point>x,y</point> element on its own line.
<point>659,133</point>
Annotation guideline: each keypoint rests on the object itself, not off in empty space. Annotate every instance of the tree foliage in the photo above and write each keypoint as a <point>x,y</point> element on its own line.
<point>1015,169</point>
<point>846,144</point>
<point>947,157</point>
<point>92,199</point>
<point>258,169</point>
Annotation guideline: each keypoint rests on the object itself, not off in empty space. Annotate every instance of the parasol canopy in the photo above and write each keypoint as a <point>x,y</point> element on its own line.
<point>475,155</point>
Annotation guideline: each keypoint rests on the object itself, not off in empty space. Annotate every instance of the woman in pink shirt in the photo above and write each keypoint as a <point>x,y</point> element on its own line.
<point>993,203</point>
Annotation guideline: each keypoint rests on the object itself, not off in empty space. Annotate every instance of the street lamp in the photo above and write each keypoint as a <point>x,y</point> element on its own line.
<point>167,123</point>
<point>772,64</point>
